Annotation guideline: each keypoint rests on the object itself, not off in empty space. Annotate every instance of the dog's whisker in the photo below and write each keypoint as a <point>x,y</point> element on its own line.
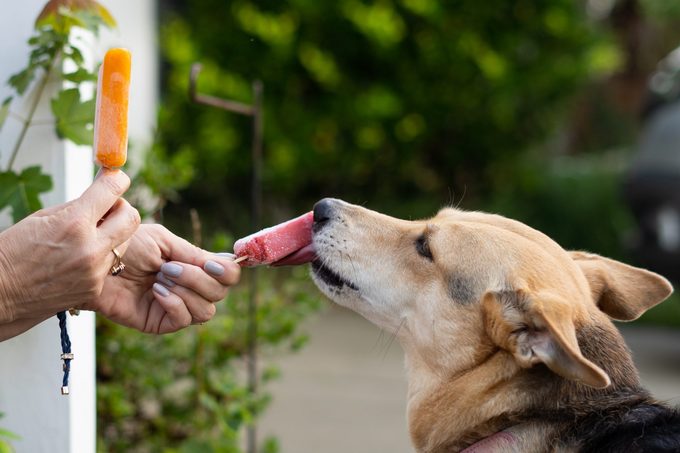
<point>394,336</point>
<point>354,269</point>
<point>378,340</point>
<point>460,201</point>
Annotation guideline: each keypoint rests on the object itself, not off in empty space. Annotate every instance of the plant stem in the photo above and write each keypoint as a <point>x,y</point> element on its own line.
<point>34,107</point>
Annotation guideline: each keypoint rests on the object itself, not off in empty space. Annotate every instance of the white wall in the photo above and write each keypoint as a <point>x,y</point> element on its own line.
<point>30,379</point>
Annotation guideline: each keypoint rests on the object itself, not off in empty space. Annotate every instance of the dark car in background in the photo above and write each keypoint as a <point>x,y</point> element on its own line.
<point>652,185</point>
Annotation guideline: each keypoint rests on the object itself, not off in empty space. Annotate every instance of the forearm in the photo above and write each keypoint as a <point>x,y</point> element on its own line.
<point>14,328</point>
<point>8,300</point>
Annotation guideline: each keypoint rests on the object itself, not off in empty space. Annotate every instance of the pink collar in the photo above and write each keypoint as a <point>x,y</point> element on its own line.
<point>496,442</point>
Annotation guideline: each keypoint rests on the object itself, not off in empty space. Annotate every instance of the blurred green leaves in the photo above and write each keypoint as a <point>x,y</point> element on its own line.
<point>51,48</point>
<point>74,117</point>
<point>196,398</point>
<point>378,21</point>
<point>369,100</point>
<point>21,191</point>
<point>276,30</point>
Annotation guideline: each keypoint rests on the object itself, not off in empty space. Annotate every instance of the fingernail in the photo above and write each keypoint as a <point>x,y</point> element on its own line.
<point>231,256</point>
<point>164,280</point>
<point>160,289</point>
<point>213,268</point>
<point>172,269</point>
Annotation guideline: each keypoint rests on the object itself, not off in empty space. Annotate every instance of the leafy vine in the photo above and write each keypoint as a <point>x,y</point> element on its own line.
<point>56,55</point>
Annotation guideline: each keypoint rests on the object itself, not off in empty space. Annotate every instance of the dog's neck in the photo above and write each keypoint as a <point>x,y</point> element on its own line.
<point>450,412</point>
<point>444,409</point>
<point>471,409</point>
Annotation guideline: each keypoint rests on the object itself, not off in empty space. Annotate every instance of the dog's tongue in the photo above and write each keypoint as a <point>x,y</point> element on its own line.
<point>289,243</point>
<point>302,256</point>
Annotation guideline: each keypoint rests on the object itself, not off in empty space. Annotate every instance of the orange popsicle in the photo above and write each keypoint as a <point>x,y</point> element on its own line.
<point>111,116</point>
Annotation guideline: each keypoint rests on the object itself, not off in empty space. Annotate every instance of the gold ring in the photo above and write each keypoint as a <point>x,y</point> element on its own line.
<point>118,265</point>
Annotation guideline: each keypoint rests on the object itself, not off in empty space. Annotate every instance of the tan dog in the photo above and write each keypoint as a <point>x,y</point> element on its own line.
<point>508,338</point>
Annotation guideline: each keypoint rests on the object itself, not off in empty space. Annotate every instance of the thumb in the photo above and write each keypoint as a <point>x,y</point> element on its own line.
<point>105,190</point>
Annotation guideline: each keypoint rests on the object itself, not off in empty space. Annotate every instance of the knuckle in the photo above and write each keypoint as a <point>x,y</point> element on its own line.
<point>184,321</point>
<point>206,314</point>
<point>90,261</point>
<point>76,226</point>
<point>157,228</point>
<point>217,294</point>
<point>117,184</point>
<point>180,318</point>
<point>135,217</point>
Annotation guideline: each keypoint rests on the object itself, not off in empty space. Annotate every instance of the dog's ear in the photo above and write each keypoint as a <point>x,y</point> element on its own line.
<point>621,291</point>
<point>539,328</point>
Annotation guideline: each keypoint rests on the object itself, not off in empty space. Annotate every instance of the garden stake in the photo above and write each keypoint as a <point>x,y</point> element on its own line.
<point>255,112</point>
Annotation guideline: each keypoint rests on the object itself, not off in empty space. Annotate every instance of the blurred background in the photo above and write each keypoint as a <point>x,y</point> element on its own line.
<point>564,114</point>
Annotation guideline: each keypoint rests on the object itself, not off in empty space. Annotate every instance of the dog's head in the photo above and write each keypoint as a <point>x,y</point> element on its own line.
<point>458,285</point>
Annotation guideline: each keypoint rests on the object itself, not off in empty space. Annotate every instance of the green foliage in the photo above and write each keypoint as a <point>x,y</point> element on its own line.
<point>20,191</point>
<point>186,392</point>
<point>392,100</point>
<point>52,49</point>
<point>74,116</point>
<point>574,200</point>
<point>162,176</point>
<point>666,313</point>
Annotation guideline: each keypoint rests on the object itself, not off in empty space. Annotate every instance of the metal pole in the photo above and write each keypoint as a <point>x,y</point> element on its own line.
<point>255,111</point>
<point>256,192</point>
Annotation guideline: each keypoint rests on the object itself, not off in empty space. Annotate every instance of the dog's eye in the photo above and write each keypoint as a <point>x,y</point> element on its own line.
<point>423,248</point>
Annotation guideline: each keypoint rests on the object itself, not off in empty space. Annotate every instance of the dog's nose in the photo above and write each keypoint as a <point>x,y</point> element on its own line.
<point>323,211</point>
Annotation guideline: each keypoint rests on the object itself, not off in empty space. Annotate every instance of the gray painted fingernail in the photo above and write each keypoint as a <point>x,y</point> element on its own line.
<point>160,289</point>
<point>213,268</point>
<point>172,269</point>
<point>164,280</point>
<point>231,256</point>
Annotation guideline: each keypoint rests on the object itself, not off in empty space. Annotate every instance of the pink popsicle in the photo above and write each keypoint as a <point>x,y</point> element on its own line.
<point>287,243</point>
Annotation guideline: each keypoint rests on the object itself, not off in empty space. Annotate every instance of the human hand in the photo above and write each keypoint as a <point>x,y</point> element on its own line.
<point>60,257</point>
<point>184,293</point>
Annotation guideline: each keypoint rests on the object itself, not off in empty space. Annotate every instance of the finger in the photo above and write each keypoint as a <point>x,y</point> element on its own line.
<point>222,268</point>
<point>201,309</point>
<point>177,314</point>
<point>194,278</point>
<point>108,187</point>
<point>120,224</point>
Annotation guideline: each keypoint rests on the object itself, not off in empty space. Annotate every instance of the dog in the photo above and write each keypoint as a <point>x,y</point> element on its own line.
<point>508,338</point>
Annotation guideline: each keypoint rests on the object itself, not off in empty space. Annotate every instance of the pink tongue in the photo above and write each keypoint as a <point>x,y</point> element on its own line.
<point>302,256</point>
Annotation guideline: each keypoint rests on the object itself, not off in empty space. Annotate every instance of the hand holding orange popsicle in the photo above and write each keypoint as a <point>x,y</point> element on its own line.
<point>111,117</point>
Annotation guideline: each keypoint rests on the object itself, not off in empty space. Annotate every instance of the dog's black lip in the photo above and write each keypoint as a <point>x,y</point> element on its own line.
<point>330,277</point>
